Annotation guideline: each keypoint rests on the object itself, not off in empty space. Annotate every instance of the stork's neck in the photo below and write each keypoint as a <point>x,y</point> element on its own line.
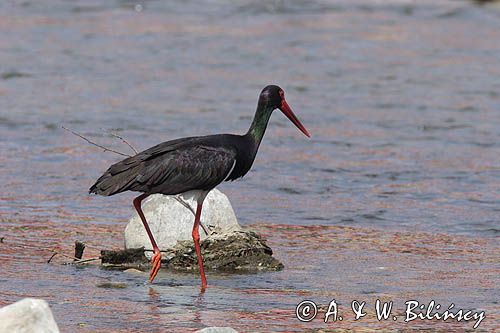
<point>247,149</point>
<point>259,123</point>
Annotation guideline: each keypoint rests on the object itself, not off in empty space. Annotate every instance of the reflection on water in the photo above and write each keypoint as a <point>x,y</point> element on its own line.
<point>402,170</point>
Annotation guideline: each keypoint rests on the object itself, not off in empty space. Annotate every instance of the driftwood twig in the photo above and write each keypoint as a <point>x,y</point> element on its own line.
<point>95,144</point>
<point>83,261</point>
<point>75,259</point>
<point>52,257</point>
<point>123,140</point>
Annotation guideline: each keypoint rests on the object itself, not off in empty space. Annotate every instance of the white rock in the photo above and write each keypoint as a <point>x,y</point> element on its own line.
<point>27,316</point>
<point>170,221</point>
<point>217,330</point>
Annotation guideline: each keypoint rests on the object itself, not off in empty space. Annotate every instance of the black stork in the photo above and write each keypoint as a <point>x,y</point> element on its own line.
<point>193,164</point>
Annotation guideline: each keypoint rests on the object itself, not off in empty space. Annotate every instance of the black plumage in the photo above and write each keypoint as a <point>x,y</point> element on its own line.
<point>178,166</point>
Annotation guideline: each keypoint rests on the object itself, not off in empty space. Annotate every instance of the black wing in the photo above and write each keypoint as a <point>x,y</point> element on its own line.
<point>170,168</point>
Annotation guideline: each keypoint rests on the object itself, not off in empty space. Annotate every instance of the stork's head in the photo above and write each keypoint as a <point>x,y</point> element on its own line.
<point>273,96</point>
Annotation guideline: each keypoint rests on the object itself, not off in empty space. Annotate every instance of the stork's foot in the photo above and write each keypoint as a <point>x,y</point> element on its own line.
<point>156,261</point>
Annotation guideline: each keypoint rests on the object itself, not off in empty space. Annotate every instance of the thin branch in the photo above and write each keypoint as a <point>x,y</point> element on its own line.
<point>55,253</point>
<point>76,260</point>
<point>184,203</point>
<point>123,140</point>
<point>188,206</point>
<point>95,144</point>
<point>52,257</point>
<point>83,261</point>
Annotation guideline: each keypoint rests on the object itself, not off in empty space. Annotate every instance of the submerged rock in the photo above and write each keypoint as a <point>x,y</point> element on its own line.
<point>170,221</point>
<point>112,285</point>
<point>134,271</point>
<point>217,330</point>
<point>28,316</point>
<point>226,246</point>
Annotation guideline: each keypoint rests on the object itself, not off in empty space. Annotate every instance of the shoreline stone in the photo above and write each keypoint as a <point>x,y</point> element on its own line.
<point>29,315</point>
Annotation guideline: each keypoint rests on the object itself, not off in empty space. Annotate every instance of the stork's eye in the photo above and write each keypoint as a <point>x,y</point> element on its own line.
<point>282,94</point>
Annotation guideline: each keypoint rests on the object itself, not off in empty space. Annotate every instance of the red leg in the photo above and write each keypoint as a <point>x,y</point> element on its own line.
<point>196,238</point>
<point>156,259</point>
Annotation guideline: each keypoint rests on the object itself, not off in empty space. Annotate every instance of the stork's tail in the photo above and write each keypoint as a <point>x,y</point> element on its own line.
<point>109,184</point>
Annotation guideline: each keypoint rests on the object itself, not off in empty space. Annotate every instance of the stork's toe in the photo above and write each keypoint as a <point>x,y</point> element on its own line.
<point>156,261</point>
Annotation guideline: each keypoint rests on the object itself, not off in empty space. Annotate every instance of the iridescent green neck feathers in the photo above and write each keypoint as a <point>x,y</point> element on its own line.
<point>259,123</point>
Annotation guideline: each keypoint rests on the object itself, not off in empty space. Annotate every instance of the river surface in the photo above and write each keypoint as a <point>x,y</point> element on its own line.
<point>396,196</point>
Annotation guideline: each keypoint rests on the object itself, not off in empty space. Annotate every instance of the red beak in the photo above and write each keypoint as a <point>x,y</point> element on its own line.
<point>290,115</point>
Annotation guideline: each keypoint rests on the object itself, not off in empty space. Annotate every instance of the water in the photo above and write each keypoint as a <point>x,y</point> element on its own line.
<point>402,172</point>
